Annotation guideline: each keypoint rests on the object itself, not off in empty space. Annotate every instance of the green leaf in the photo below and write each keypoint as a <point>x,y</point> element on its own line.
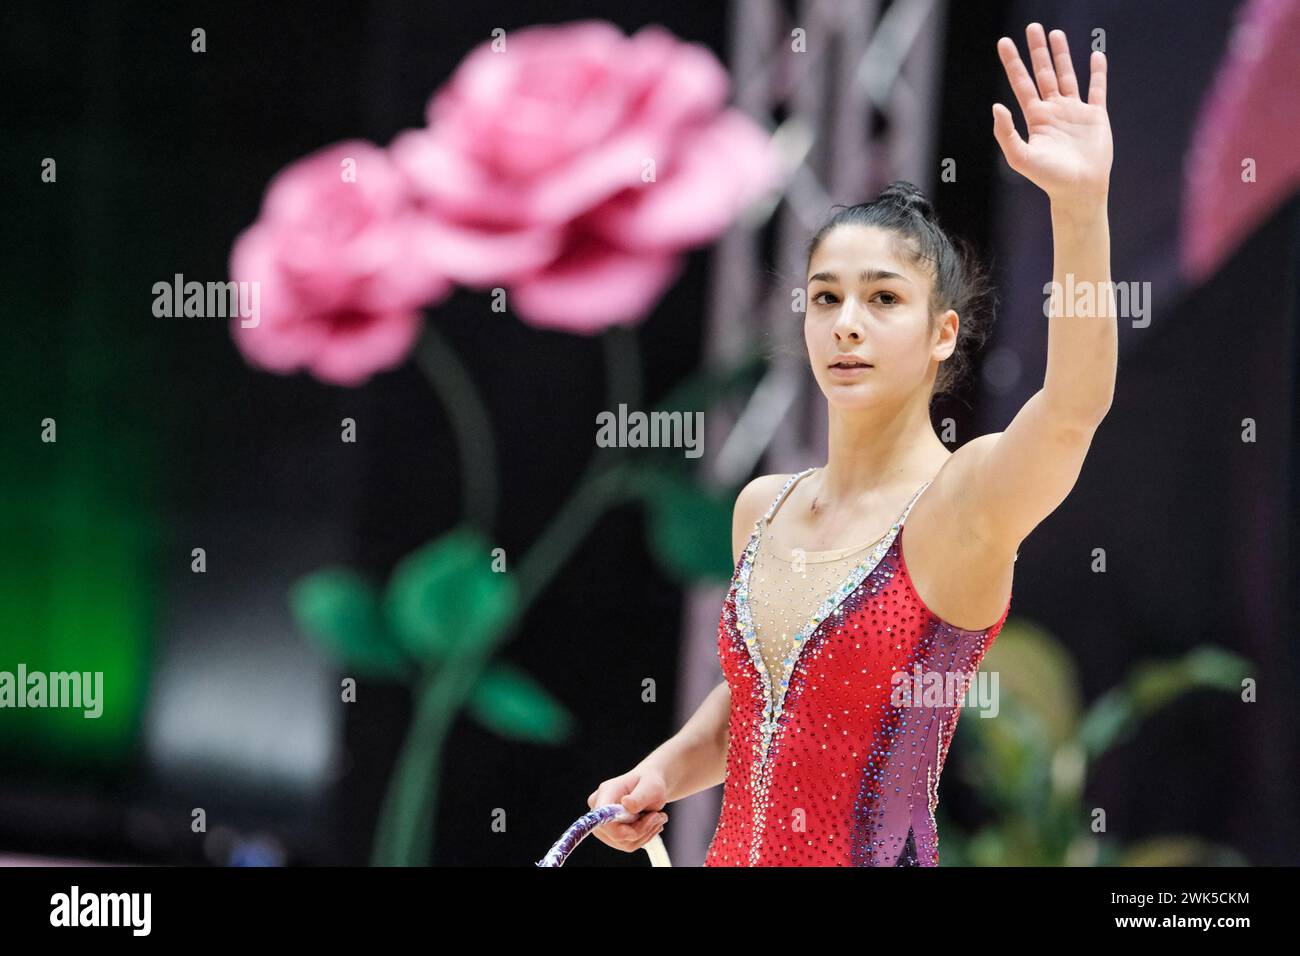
<point>690,528</point>
<point>1152,685</point>
<point>340,612</point>
<point>508,701</point>
<point>444,599</point>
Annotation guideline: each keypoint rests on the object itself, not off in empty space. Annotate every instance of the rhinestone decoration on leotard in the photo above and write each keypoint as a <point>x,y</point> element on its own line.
<point>822,769</point>
<point>773,706</point>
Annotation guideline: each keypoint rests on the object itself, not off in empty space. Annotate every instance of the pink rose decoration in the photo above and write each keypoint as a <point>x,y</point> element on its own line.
<point>1250,111</point>
<point>530,171</point>
<point>340,291</point>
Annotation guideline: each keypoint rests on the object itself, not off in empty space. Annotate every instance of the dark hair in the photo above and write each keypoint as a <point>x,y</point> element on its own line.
<point>959,282</point>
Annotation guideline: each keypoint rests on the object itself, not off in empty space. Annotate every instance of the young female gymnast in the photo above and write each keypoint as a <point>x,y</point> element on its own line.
<point>824,731</point>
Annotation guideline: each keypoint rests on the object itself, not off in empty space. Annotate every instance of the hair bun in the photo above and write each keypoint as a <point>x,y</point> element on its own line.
<point>906,195</point>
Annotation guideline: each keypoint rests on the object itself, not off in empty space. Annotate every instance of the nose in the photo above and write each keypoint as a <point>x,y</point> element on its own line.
<point>847,324</point>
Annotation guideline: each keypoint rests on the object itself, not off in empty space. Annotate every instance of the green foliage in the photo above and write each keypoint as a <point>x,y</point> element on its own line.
<point>445,599</point>
<point>342,614</point>
<point>1031,760</point>
<point>509,702</point>
<point>689,528</point>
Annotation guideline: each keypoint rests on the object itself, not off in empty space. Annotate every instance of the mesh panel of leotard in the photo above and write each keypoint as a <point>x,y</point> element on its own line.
<point>786,589</point>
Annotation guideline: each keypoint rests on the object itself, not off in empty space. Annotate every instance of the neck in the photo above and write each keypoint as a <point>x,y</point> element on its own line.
<point>871,448</point>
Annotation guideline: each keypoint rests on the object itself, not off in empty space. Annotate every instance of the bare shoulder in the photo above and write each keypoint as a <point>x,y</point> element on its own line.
<point>751,504</point>
<point>957,575</point>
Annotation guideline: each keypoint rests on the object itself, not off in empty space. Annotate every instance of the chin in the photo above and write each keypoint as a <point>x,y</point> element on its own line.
<point>849,395</point>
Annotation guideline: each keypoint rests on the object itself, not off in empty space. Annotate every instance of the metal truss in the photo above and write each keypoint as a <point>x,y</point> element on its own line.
<point>848,89</point>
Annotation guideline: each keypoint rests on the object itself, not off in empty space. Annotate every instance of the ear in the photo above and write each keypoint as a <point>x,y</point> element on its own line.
<point>945,330</point>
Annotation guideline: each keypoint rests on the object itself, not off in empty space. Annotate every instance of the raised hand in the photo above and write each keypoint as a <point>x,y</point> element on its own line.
<point>1068,154</point>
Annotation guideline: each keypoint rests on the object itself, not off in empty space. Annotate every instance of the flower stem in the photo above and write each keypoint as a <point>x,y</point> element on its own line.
<point>623,365</point>
<point>470,424</point>
<point>404,834</point>
<point>601,487</point>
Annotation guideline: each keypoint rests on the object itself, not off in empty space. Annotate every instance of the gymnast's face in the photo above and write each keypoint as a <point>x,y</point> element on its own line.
<point>866,302</point>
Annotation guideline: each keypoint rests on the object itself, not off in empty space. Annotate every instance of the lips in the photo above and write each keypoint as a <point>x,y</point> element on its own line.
<point>850,363</point>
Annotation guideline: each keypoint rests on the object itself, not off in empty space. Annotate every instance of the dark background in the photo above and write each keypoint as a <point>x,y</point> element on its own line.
<point>170,441</point>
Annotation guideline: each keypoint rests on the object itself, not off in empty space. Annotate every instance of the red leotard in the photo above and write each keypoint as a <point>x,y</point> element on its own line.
<point>846,773</point>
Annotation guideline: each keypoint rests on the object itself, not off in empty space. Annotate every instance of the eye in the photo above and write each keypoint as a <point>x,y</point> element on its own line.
<point>817,299</point>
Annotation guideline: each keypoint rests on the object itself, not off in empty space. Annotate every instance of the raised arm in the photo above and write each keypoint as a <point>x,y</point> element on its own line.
<point>1002,485</point>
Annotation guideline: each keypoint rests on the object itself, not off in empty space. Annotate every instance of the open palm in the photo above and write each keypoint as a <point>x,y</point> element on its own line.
<point>1068,154</point>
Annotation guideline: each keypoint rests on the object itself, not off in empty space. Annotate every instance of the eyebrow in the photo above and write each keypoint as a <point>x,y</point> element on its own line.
<point>866,275</point>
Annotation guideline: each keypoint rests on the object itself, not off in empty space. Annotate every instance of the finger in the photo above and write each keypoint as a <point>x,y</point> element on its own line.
<point>1021,84</point>
<point>1097,81</point>
<point>630,832</point>
<point>654,822</point>
<point>633,803</point>
<point>1064,67</point>
<point>603,796</point>
<point>1004,131</point>
<point>648,824</point>
<point>623,846</point>
<point>649,836</point>
<point>617,834</point>
<point>1044,72</point>
<point>647,794</point>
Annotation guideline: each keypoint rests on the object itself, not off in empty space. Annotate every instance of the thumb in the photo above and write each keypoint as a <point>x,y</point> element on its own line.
<point>633,802</point>
<point>1004,131</point>
<point>646,793</point>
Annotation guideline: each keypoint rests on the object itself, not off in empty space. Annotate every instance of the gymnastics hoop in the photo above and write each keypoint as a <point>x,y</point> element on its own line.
<point>585,824</point>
